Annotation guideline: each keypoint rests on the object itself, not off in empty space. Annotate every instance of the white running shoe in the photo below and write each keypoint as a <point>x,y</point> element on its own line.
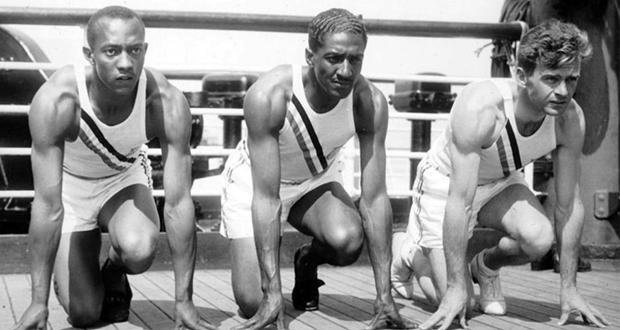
<point>491,297</point>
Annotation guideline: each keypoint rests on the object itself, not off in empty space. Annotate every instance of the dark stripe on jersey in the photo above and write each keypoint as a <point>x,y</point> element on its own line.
<point>93,127</point>
<point>514,146</point>
<point>302,144</point>
<point>310,129</point>
<point>502,156</point>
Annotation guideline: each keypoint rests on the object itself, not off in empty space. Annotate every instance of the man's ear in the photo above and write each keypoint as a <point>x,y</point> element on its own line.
<point>521,76</point>
<point>88,55</point>
<point>309,55</point>
<point>146,46</point>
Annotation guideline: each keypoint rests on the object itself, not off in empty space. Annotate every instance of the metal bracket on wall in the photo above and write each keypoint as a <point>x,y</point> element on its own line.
<point>606,204</point>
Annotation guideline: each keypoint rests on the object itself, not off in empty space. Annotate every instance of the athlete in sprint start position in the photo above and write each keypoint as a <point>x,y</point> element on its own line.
<point>289,169</point>
<point>473,173</point>
<point>89,127</point>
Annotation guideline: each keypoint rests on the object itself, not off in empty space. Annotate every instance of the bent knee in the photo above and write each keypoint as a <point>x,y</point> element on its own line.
<point>248,304</point>
<point>537,239</point>
<point>137,252</point>
<point>347,245</point>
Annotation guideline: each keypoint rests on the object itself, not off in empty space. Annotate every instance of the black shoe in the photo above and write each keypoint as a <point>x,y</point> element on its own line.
<point>115,302</point>
<point>545,262</point>
<point>306,291</point>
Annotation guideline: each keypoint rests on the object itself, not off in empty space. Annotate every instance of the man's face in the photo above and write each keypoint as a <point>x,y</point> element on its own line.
<point>338,62</point>
<point>552,89</point>
<point>118,53</point>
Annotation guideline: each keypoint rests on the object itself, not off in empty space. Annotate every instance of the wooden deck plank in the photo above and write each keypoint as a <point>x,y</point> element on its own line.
<point>540,302</point>
<point>219,280</point>
<point>591,285</point>
<point>346,301</point>
<point>145,304</point>
<point>547,288</point>
<point>367,277</point>
<point>211,309</point>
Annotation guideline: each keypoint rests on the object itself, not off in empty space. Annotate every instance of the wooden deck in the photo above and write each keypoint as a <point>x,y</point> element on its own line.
<point>346,299</point>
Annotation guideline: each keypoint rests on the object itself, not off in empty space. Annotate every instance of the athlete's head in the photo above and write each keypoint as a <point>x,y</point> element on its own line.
<point>333,21</point>
<point>337,40</point>
<point>552,44</point>
<point>549,64</point>
<point>116,47</point>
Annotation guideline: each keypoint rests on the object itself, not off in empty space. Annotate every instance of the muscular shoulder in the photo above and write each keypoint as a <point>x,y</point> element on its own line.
<point>369,105</point>
<point>476,113</point>
<point>59,87</point>
<point>570,126</point>
<point>165,105</point>
<point>159,89</point>
<point>56,102</point>
<point>265,102</point>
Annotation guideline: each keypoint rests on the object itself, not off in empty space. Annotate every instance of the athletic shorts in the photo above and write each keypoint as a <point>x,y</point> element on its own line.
<point>83,198</point>
<point>237,193</point>
<point>430,195</point>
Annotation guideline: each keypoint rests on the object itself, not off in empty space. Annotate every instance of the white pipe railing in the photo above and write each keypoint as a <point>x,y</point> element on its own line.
<point>198,72</point>
<point>23,109</point>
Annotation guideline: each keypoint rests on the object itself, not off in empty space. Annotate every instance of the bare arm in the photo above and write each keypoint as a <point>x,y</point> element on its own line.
<point>374,204</point>
<point>264,110</point>
<point>173,126</point>
<point>371,122</point>
<point>472,123</point>
<point>51,116</point>
<point>569,214</point>
<point>266,204</point>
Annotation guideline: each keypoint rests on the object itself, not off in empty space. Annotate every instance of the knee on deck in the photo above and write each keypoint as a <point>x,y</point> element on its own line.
<point>83,315</point>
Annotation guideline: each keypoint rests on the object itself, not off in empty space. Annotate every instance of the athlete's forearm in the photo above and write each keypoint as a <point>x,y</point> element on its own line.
<point>181,233</point>
<point>455,236</point>
<point>377,223</point>
<point>568,227</point>
<point>266,223</point>
<point>44,236</point>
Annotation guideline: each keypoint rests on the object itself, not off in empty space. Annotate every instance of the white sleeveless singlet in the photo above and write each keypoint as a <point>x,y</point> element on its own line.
<point>310,141</point>
<point>101,150</point>
<point>510,152</point>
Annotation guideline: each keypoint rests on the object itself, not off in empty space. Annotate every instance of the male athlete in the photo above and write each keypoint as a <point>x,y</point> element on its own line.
<point>289,169</point>
<point>473,172</point>
<point>89,127</point>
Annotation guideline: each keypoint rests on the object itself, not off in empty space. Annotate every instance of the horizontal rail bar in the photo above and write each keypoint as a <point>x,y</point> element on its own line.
<point>198,72</point>
<point>24,109</point>
<point>198,151</point>
<point>265,23</point>
<point>214,152</point>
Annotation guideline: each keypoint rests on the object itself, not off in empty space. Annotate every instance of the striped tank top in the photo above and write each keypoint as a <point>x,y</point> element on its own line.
<point>511,151</point>
<point>101,150</point>
<point>310,142</point>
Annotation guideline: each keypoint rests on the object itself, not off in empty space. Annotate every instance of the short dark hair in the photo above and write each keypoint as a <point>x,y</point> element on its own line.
<point>334,20</point>
<point>108,12</point>
<point>552,44</point>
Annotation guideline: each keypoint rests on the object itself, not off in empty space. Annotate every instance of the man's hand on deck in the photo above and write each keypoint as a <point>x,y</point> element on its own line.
<point>387,317</point>
<point>571,301</point>
<point>453,304</point>
<point>35,317</point>
<point>271,309</point>
<point>186,317</point>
